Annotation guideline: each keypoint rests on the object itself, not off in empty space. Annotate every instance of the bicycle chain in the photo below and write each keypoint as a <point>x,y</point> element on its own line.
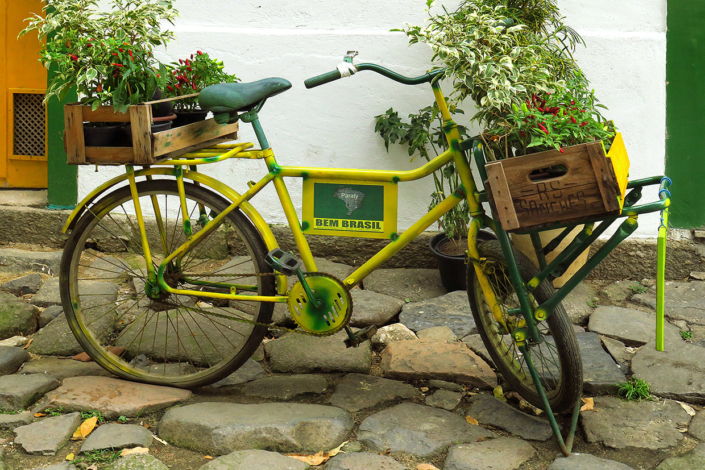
<point>252,322</point>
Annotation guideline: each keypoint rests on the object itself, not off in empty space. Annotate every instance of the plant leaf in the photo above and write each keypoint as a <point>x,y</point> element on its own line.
<point>589,404</point>
<point>85,429</point>
<point>136,450</point>
<point>471,420</point>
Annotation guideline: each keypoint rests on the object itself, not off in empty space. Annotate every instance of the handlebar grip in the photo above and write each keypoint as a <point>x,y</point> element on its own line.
<point>322,79</point>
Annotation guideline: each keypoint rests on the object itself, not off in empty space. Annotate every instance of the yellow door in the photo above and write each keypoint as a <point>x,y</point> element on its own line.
<point>23,79</point>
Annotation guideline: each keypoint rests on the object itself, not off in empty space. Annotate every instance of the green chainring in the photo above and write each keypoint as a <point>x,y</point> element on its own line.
<point>335,307</point>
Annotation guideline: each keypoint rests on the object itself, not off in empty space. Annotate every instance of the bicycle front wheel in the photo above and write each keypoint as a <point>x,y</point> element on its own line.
<point>556,357</point>
<point>177,340</point>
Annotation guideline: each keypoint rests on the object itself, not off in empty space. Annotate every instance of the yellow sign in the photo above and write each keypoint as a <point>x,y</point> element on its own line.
<point>349,208</point>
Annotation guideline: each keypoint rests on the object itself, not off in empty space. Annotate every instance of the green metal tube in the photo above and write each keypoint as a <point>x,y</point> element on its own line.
<point>626,229</point>
<point>538,249</point>
<point>400,78</point>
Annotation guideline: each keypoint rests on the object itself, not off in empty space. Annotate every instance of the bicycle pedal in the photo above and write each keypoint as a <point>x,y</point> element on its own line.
<point>282,261</point>
<point>361,336</point>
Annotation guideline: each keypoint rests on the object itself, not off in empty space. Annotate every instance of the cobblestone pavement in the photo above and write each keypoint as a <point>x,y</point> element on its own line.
<point>420,393</point>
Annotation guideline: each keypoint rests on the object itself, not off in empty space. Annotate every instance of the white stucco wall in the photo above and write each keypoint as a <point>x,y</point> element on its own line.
<point>333,125</point>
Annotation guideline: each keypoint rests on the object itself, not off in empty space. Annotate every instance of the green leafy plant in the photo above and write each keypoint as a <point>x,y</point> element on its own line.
<point>9,412</point>
<point>637,288</point>
<point>686,335</point>
<point>97,457</point>
<point>106,55</point>
<point>512,58</point>
<point>54,411</point>
<point>193,75</point>
<point>423,136</point>
<point>592,303</point>
<point>123,419</point>
<point>634,389</point>
<point>90,414</point>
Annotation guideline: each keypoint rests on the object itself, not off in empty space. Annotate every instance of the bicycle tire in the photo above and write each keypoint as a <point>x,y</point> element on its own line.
<point>122,365</point>
<point>563,388</point>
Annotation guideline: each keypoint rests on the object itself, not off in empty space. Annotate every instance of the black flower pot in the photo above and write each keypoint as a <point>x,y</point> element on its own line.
<point>156,127</point>
<point>184,118</point>
<point>161,109</point>
<point>102,135</point>
<point>452,267</point>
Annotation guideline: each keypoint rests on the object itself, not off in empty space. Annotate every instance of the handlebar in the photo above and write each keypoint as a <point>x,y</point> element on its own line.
<point>335,75</point>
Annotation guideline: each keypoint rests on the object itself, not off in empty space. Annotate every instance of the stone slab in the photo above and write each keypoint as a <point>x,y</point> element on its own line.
<point>24,285</point>
<point>285,387</point>
<point>221,428</point>
<point>113,397</point>
<point>117,436</point>
<point>437,333</point>
<point>616,292</point>
<point>19,391</point>
<point>646,424</point>
<point>678,372</point>
<point>57,466</point>
<point>356,392</point>
<point>417,430</point>
<point>49,313</point>
<point>444,399</point>
<point>373,308</point>
<point>16,317</point>
<point>300,354</point>
<point>64,368</point>
<point>137,462</point>
<point>632,327</point>
<point>47,436</point>
<point>14,341</point>
<point>576,304</point>
<point>586,462</point>
<point>13,260</point>
<point>619,352</point>
<point>363,461</point>
<point>451,310</point>
<point>12,421</point>
<point>683,301</point>
<point>697,426</point>
<point>477,346</point>
<point>11,359</point>
<point>255,460</point>
<point>503,453</point>
<point>487,409</point>
<point>106,268</point>
<point>600,373</point>
<point>442,384</point>
<point>690,461</point>
<point>390,333</point>
<point>409,285</point>
<point>419,360</point>
<point>250,370</point>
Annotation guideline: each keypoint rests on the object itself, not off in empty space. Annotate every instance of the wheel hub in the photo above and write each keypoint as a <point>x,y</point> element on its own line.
<point>334,309</point>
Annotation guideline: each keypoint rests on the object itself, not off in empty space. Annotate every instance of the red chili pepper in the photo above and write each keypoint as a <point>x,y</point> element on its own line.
<point>543,128</point>
<point>170,88</point>
<point>99,88</point>
<point>528,104</point>
<point>73,57</point>
<point>199,52</point>
<point>522,133</point>
<point>115,53</point>
<point>181,61</point>
<point>125,43</point>
<point>121,50</point>
<point>89,45</point>
<point>132,58</point>
<point>116,65</point>
<point>572,118</point>
<point>554,110</point>
<point>572,102</point>
<point>177,86</point>
<point>584,124</point>
<point>193,85</point>
<point>159,76</point>
<point>561,149</point>
<point>191,56</point>
<point>541,110</point>
<point>582,110</point>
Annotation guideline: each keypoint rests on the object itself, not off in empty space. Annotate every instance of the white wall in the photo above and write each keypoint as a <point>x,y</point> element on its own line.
<point>333,125</point>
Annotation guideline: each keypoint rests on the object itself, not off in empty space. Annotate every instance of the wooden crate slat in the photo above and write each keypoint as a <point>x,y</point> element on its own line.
<point>587,189</point>
<point>185,136</point>
<point>605,177</point>
<point>141,123</point>
<point>112,155</point>
<point>75,142</point>
<point>202,145</point>
<point>502,196</point>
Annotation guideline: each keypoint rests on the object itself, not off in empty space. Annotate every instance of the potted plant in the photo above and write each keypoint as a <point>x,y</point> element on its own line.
<point>513,58</point>
<point>107,57</point>
<point>424,131</point>
<point>188,76</point>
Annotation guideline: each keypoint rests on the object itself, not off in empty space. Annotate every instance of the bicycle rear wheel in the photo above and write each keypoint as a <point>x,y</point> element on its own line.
<point>556,357</point>
<point>175,340</point>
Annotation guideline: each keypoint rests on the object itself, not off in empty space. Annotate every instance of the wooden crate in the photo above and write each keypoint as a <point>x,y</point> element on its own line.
<point>546,188</point>
<point>147,148</point>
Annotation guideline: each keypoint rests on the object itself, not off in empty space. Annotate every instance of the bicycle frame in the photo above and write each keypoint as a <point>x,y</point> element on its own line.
<point>526,331</point>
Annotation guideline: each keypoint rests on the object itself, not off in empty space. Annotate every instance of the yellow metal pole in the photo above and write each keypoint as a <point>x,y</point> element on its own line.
<point>661,281</point>
<point>294,224</point>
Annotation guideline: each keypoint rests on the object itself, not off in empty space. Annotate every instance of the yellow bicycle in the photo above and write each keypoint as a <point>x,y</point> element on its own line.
<point>171,277</point>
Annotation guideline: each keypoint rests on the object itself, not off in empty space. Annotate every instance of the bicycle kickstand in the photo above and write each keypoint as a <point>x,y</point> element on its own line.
<point>565,446</point>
